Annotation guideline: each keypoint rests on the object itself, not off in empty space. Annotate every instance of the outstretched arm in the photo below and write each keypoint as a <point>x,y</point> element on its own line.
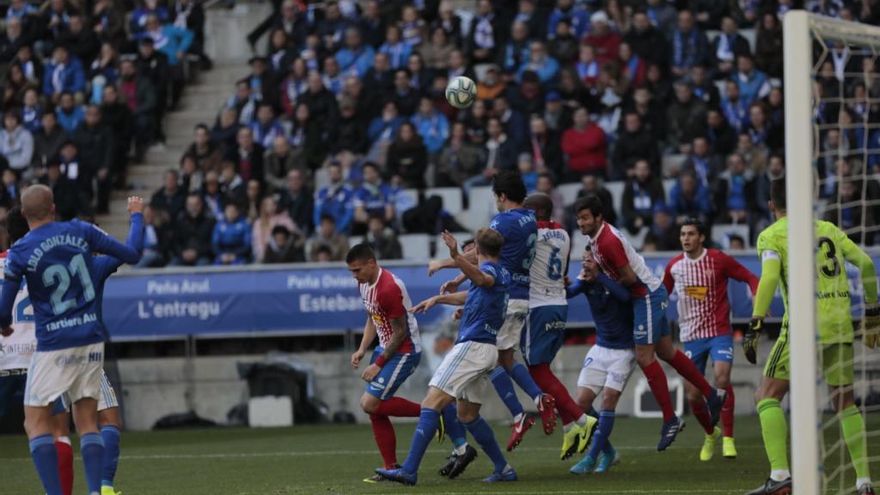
<point>771,272</point>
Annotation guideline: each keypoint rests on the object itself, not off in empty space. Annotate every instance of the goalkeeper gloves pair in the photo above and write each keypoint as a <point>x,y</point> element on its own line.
<point>870,332</point>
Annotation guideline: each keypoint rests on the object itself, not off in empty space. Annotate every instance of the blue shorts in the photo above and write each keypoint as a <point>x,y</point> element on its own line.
<point>11,392</point>
<point>392,375</point>
<point>720,348</point>
<point>544,335</point>
<point>649,317</point>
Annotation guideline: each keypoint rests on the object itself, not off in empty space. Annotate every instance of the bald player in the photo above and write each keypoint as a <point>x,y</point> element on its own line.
<point>55,259</point>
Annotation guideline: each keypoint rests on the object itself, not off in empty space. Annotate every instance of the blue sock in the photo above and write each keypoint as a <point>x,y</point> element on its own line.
<point>603,433</point>
<point>504,386</point>
<point>429,421</point>
<point>521,376</point>
<point>110,435</point>
<point>454,430</point>
<point>482,433</point>
<point>91,446</point>
<point>46,461</point>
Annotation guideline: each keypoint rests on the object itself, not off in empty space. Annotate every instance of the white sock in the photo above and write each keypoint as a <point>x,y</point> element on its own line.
<point>862,482</point>
<point>537,400</point>
<point>780,475</point>
<point>64,439</point>
<point>461,449</point>
<point>581,420</point>
<point>567,427</point>
<point>518,418</point>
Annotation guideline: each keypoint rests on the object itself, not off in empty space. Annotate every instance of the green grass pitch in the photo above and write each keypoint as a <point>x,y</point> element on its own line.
<point>334,459</point>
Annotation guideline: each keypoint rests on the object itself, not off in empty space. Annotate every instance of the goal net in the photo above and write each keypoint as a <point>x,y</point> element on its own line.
<point>832,122</point>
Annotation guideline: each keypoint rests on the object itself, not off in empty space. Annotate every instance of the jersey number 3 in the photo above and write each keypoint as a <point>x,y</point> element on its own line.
<point>59,276</point>
<point>831,268</point>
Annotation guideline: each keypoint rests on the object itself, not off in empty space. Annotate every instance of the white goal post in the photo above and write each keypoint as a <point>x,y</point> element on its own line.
<point>800,142</point>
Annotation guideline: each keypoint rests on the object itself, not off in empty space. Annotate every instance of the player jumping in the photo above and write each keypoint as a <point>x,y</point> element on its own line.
<point>463,375</point>
<point>699,278</point>
<point>394,360</point>
<point>835,339</point>
<point>56,260</point>
<point>617,258</point>
<point>609,363</point>
<point>520,231</point>
<point>548,313</point>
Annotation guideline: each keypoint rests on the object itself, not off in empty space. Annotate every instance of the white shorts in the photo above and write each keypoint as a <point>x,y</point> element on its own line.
<point>514,323</point>
<point>464,372</point>
<point>107,400</point>
<point>605,367</point>
<point>75,371</point>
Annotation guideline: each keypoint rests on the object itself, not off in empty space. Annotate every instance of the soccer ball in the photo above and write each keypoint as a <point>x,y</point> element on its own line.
<point>461,92</point>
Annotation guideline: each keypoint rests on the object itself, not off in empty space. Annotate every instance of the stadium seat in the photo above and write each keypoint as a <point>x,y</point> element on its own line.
<point>452,200</point>
<point>671,164</point>
<point>667,187</point>
<point>637,240</point>
<point>721,234</point>
<point>481,207</point>
<point>416,247</point>
<point>355,240</point>
<point>569,192</point>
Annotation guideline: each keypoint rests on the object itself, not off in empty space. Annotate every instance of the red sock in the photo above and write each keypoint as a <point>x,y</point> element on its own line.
<point>688,370</point>
<point>660,388</point>
<point>386,440</point>
<point>398,407</point>
<point>568,409</point>
<point>701,412</point>
<point>727,412</point>
<point>65,466</point>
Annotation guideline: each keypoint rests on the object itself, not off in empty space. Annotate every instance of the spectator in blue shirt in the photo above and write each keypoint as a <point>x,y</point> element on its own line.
<point>70,115</point>
<point>168,39</point>
<point>753,83</point>
<point>371,199</point>
<point>432,125</point>
<point>140,15</point>
<point>516,51</point>
<point>734,107</point>
<point>356,58</point>
<point>384,127</point>
<point>231,239</point>
<point>64,73</point>
<point>575,14</point>
<point>266,127</point>
<point>539,62</point>
<point>335,200</point>
<point>690,199</point>
<point>398,51</point>
<point>690,46</point>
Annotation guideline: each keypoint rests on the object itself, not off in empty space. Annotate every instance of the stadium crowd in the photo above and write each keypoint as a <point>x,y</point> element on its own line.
<point>85,89</point>
<point>343,111</point>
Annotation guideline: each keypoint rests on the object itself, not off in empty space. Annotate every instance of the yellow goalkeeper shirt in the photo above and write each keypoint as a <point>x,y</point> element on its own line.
<point>834,315</point>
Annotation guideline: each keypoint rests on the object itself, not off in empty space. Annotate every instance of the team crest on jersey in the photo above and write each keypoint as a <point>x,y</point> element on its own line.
<point>698,292</point>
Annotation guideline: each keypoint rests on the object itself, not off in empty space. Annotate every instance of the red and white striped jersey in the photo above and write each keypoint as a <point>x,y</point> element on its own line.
<point>388,300</point>
<point>547,274</point>
<point>701,288</point>
<point>612,252</point>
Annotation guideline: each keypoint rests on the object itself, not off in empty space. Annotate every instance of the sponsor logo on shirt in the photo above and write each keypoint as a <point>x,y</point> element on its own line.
<point>698,292</point>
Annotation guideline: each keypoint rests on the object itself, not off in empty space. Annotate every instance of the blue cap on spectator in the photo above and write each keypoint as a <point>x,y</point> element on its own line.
<point>553,96</point>
<point>662,208</point>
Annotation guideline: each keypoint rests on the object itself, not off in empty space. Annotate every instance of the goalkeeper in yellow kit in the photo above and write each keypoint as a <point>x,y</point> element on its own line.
<point>835,339</point>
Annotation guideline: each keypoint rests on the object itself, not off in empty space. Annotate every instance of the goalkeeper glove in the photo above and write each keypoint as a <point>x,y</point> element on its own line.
<point>871,326</point>
<point>750,339</point>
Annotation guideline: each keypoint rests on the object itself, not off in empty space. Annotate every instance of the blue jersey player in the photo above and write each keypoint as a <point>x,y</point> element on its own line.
<point>463,375</point>
<point>55,259</point>
<point>519,228</point>
<point>609,363</point>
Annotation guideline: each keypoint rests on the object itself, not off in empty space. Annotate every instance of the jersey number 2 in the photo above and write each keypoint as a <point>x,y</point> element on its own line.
<point>60,275</point>
<point>531,245</point>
